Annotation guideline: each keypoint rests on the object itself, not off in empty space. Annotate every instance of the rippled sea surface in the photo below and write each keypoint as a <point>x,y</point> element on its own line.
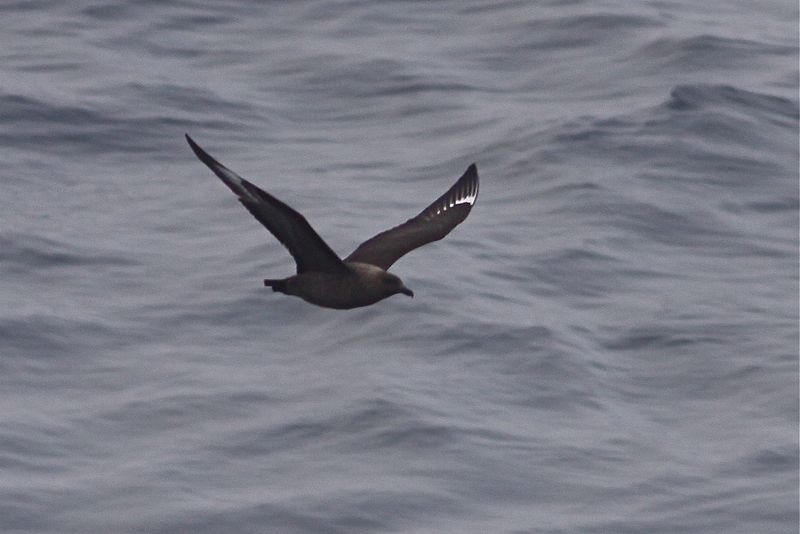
<point>608,344</point>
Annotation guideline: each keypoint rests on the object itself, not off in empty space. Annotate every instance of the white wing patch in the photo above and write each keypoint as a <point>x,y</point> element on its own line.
<point>465,197</point>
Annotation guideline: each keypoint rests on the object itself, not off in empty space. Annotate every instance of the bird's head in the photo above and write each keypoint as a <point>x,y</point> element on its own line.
<point>394,285</point>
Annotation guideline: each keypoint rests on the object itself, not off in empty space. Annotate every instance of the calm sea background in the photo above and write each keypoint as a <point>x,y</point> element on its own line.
<point>608,344</point>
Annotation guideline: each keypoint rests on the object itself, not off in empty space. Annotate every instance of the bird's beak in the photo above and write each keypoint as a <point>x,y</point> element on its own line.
<point>405,291</point>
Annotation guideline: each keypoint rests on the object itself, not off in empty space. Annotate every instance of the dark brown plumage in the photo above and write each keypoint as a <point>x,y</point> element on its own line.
<point>361,279</point>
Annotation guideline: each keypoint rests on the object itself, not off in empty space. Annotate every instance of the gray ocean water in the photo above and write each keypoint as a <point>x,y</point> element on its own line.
<point>608,344</point>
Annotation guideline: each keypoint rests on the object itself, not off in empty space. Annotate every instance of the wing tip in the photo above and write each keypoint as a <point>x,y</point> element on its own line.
<point>241,187</point>
<point>195,146</point>
<point>471,173</point>
<point>471,177</point>
<point>201,154</point>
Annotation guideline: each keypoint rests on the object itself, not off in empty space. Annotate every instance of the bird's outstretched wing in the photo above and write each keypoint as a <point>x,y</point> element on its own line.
<point>307,248</point>
<point>433,223</point>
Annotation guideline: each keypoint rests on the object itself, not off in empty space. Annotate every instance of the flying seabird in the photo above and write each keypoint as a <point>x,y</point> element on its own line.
<point>361,278</point>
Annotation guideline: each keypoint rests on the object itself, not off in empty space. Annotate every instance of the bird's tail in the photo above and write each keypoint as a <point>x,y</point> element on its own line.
<point>276,285</point>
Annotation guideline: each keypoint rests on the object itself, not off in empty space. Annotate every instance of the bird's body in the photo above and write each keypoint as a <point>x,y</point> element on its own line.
<point>361,279</point>
<point>362,285</point>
